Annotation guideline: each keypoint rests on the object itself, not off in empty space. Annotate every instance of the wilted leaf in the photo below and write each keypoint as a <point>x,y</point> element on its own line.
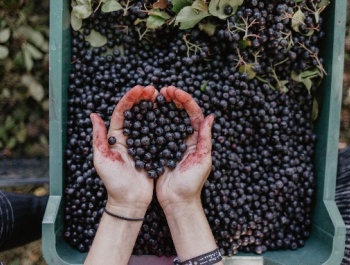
<point>4,52</point>
<point>75,22</point>
<point>200,5</point>
<point>208,28</point>
<point>217,7</point>
<point>36,90</point>
<point>34,52</point>
<point>96,39</point>
<point>248,69</point>
<point>188,18</point>
<point>5,35</point>
<point>154,22</point>
<point>111,6</point>
<point>180,4</point>
<point>161,4</point>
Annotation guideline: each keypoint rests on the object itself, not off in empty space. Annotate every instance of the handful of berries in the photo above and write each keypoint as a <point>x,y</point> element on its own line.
<point>156,135</point>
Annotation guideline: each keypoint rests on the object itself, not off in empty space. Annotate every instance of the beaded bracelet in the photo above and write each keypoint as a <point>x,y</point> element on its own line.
<point>124,218</point>
<point>209,258</point>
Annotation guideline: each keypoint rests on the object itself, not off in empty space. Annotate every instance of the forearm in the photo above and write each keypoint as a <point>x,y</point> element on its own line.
<point>190,230</point>
<point>114,240</point>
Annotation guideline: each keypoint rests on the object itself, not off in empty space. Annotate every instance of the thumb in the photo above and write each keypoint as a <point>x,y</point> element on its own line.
<point>99,139</point>
<point>204,144</point>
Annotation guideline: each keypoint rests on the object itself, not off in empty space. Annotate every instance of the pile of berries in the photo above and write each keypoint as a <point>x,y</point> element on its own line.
<point>156,136</point>
<point>260,193</point>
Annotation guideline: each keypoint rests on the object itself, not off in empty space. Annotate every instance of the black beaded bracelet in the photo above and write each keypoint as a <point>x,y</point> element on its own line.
<point>124,218</point>
<point>209,258</point>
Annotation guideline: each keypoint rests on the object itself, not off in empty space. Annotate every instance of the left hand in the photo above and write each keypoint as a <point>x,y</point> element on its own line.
<point>130,190</point>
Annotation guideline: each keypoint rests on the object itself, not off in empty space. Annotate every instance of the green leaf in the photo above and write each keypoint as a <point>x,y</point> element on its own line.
<point>247,68</point>
<point>96,39</point>
<point>314,109</point>
<point>38,39</point>
<point>111,6</point>
<point>4,52</point>
<point>244,43</point>
<point>28,61</point>
<point>180,4</point>
<point>5,35</point>
<point>154,22</point>
<point>82,11</point>
<point>188,18</point>
<point>217,7</point>
<point>203,87</point>
<point>306,76</point>
<point>75,22</point>
<point>84,2</point>
<point>11,143</point>
<point>297,20</point>
<point>21,135</point>
<point>208,28</point>
<point>34,52</point>
<point>9,123</point>
<point>36,90</point>
<point>200,5</point>
<point>323,3</point>
<point>159,13</point>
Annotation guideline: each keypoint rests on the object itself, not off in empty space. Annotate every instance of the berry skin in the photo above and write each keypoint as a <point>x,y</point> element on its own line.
<point>112,140</point>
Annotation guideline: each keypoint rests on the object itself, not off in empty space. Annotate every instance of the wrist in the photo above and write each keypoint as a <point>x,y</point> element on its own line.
<point>182,209</point>
<point>128,210</point>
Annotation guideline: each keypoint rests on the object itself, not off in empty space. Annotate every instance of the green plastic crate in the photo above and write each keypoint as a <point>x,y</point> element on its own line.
<point>327,242</point>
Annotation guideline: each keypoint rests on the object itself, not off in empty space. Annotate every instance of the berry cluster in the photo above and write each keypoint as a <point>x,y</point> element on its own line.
<point>260,192</point>
<point>156,135</point>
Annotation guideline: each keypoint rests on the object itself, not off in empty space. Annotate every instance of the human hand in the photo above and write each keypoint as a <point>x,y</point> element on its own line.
<point>129,190</point>
<point>183,185</point>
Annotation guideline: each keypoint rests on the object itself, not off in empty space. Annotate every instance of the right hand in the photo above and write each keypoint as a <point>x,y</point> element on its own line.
<point>182,185</point>
<point>129,190</point>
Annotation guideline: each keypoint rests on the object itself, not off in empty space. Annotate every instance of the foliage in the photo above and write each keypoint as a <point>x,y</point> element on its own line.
<point>24,77</point>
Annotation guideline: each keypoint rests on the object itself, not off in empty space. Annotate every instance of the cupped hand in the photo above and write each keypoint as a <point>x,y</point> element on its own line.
<point>129,190</point>
<point>183,184</point>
